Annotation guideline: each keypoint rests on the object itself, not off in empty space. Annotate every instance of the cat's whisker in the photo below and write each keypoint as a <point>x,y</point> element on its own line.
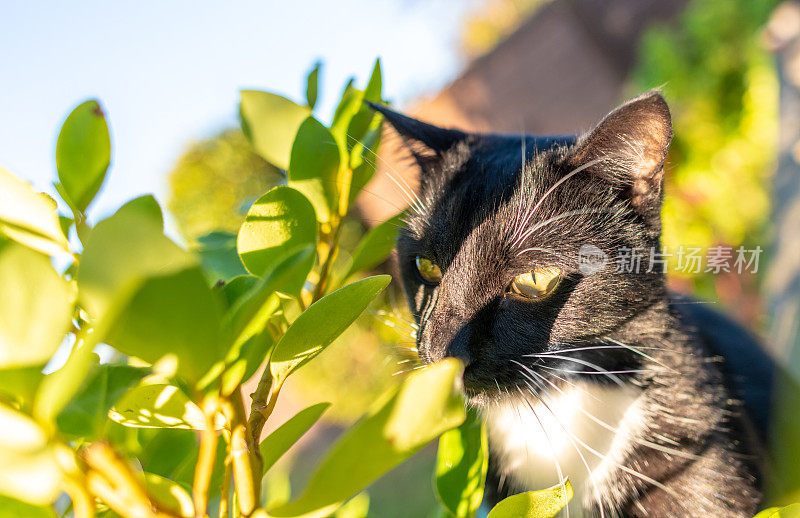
<point>555,186</point>
<point>414,200</point>
<point>596,347</point>
<point>598,369</point>
<point>555,417</point>
<point>623,467</point>
<point>637,351</point>
<point>643,442</point>
<point>604,373</point>
<point>409,370</point>
<point>530,231</point>
<point>559,472</point>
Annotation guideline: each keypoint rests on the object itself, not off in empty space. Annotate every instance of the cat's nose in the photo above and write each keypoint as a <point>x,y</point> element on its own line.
<point>448,342</point>
<point>459,345</point>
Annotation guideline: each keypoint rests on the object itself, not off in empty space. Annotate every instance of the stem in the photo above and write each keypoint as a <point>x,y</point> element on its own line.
<point>333,251</point>
<point>205,463</point>
<point>225,490</point>
<point>80,499</point>
<point>111,479</point>
<point>263,404</point>
<point>245,459</point>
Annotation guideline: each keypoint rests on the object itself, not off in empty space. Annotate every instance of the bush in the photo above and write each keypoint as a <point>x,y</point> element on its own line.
<point>162,430</point>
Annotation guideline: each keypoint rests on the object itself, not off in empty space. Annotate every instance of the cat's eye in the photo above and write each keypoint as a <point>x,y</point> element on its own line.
<point>428,270</point>
<point>536,284</point>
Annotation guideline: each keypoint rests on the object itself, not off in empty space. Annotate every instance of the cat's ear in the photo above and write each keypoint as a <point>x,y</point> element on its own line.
<point>426,142</point>
<point>629,147</point>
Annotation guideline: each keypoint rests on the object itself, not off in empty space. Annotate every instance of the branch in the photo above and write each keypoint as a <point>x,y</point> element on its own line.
<point>205,461</point>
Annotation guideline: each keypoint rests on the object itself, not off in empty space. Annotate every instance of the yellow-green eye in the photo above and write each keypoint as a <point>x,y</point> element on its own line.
<point>428,270</point>
<point>537,284</point>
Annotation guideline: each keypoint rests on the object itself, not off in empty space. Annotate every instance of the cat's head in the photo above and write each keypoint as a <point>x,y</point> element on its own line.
<point>503,255</point>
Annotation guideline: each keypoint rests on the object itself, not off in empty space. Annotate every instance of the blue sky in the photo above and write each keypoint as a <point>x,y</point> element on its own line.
<point>169,72</point>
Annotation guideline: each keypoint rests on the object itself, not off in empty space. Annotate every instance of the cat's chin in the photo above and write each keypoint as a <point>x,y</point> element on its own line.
<point>484,398</point>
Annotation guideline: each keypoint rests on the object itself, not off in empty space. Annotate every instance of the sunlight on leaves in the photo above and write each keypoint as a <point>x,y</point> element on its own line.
<point>461,464</point>
<point>158,406</point>
<point>428,403</point>
<point>534,504</point>
<point>314,167</point>
<point>35,307</point>
<point>278,221</point>
<point>270,122</point>
<point>28,217</point>
<point>322,323</point>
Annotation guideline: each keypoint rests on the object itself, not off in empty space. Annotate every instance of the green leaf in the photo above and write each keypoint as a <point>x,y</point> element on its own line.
<point>28,217</point>
<point>218,257</point>
<point>175,314</point>
<point>314,167</point>
<point>170,495</point>
<point>280,220</point>
<point>534,504</point>
<point>20,384</point>
<point>144,206</point>
<point>158,406</point>
<point>83,153</point>
<point>13,508</point>
<point>364,157</point>
<point>791,511</point>
<point>271,122</point>
<point>278,442</point>
<point>356,507</point>
<point>86,415</point>
<point>461,463</point>
<point>321,323</point>
<point>36,307</point>
<point>351,103</point>
<point>375,246</point>
<point>428,403</point>
<point>374,86</point>
<point>122,251</point>
<point>58,387</point>
<point>312,85</point>
<point>245,322</point>
<point>28,467</point>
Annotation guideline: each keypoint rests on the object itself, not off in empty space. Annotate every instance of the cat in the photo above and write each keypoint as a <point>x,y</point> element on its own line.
<point>581,366</point>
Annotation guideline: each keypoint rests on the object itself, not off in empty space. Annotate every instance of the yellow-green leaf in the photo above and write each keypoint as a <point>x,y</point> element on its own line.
<point>375,246</point>
<point>281,220</point>
<point>278,442</point>
<point>791,511</point>
<point>169,494</point>
<point>35,307</point>
<point>314,167</point>
<point>83,153</point>
<point>321,323</point>
<point>28,217</point>
<point>461,464</point>
<point>428,403</point>
<point>158,406</point>
<point>534,504</point>
<point>270,122</point>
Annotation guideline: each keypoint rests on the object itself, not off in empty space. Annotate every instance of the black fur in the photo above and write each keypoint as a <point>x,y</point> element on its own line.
<point>473,189</point>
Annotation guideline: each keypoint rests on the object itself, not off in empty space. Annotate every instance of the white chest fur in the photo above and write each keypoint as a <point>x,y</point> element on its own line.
<point>582,432</point>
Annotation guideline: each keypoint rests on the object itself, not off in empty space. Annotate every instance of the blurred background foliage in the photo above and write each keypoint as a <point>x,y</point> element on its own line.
<point>722,86</point>
<point>214,182</point>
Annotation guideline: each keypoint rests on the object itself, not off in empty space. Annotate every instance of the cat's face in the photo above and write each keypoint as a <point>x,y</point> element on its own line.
<point>502,255</point>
